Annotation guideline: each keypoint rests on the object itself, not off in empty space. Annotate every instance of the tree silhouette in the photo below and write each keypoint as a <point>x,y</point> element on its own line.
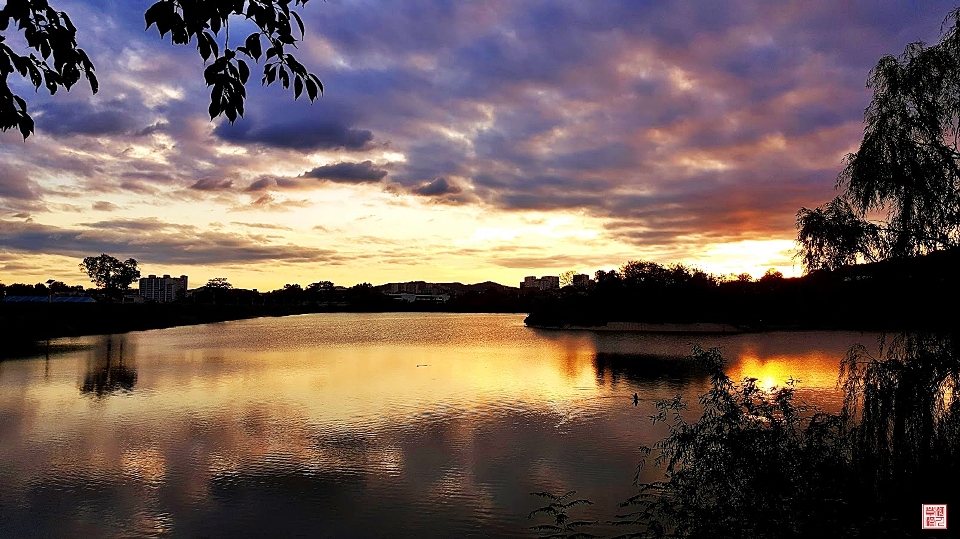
<point>61,63</point>
<point>833,236</point>
<point>907,166</point>
<point>110,273</point>
<point>218,283</point>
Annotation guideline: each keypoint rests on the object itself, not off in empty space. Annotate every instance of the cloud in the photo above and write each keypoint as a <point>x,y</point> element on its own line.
<point>16,185</point>
<point>102,205</point>
<point>212,184</point>
<point>346,172</point>
<point>296,135</point>
<point>437,187</point>
<point>116,116</point>
<point>267,202</point>
<point>268,226</point>
<point>153,241</point>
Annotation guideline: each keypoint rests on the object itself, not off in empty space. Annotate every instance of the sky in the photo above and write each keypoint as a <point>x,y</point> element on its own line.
<point>455,141</point>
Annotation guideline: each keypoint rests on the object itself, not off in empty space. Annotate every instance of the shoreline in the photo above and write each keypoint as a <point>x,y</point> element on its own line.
<point>24,325</point>
<point>651,327</point>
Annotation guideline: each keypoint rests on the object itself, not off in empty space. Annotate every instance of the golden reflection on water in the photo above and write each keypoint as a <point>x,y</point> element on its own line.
<point>811,369</point>
<point>421,410</point>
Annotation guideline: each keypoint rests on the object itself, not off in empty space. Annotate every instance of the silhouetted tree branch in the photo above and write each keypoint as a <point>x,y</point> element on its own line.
<point>58,62</point>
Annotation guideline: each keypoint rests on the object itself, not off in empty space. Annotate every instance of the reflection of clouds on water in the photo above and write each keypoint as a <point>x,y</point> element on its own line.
<point>146,465</point>
<point>332,436</point>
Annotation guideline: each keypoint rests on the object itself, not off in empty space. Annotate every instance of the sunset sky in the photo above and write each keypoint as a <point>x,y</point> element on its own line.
<point>455,141</point>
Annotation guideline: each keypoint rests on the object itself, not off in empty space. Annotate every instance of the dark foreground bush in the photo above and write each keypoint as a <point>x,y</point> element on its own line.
<point>761,464</point>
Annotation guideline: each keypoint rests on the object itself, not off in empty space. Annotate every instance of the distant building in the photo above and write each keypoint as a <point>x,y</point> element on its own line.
<point>414,287</point>
<point>163,289</point>
<point>581,280</point>
<point>419,298</point>
<point>547,282</point>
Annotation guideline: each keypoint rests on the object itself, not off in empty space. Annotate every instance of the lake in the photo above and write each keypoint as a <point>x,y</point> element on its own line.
<point>352,425</point>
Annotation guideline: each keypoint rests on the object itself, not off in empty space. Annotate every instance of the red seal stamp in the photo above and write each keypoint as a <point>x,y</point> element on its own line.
<point>934,516</point>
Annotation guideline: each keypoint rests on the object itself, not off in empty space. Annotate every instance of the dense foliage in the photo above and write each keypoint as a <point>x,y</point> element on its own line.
<point>110,273</point>
<point>761,463</point>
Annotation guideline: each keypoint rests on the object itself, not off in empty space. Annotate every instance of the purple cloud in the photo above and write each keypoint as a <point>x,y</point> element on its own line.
<point>346,172</point>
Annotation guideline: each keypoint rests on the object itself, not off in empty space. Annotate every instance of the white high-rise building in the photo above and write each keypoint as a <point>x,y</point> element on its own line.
<point>163,289</point>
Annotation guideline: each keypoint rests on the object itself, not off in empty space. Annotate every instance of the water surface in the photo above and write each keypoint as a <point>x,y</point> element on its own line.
<point>350,425</point>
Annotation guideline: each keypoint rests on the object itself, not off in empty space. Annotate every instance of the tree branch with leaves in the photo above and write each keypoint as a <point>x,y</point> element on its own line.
<point>58,62</point>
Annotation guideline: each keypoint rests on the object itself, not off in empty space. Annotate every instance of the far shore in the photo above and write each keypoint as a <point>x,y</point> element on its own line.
<point>646,327</point>
<point>23,325</point>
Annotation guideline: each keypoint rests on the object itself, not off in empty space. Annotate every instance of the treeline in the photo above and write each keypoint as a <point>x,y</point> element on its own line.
<point>40,289</point>
<point>893,294</point>
<point>324,296</point>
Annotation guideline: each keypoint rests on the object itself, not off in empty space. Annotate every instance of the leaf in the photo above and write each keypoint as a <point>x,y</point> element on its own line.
<point>210,73</point>
<point>26,126</point>
<point>154,14</point>
<point>317,81</point>
<point>204,47</point>
<point>253,45</point>
<point>244,71</point>
<point>311,89</point>
<point>92,79</point>
<point>297,87</point>
<point>299,21</point>
<point>67,22</point>
<point>35,78</point>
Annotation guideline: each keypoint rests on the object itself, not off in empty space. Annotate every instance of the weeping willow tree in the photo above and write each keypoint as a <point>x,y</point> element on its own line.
<point>907,168</point>
<point>904,408</point>
<point>761,463</point>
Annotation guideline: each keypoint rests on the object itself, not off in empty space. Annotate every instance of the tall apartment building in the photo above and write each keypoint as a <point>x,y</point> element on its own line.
<point>546,282</point>
<point>581,279</point>
<point>163,289</point>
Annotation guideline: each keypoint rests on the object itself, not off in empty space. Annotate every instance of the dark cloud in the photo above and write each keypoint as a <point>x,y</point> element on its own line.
<point>158,127</point>
<point>346,172</point>
<point>212,184</point>
<point>296,135</point>
<point>103,205</point>
<point>82,117</point>
<point>432,158</point>
<point>15,184</point>
<point>437,187</point>
<point>261,184</point>
<point>612,156</point>
<point>152,241</point>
